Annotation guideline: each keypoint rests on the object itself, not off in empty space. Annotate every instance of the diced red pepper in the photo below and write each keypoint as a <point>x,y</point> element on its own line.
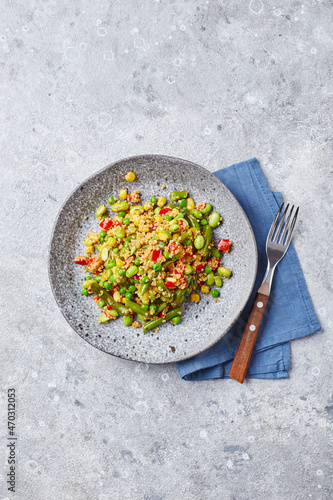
<point>106,224</point>
<point>224,245</point>
<point>163,313</point>
<point>109,308</point>
<point>170,284</point>
<point>164,211</point>
<point>156,254</point>
<point>81,260</point>
<point>200,268</point>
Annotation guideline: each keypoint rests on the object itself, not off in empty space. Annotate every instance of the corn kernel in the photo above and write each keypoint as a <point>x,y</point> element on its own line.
<point>90,249</point>
<point>119,263</point>
<point>123,194</point>
<point>175,236</point>
<point>148,206</point>
<point>158,218</point>
<point>190,204</point>
<point>198,256</point>
<point>88,242</point>
<point>117,218</point>
<point>111,242</point>
<point>123,300</point>
<point>94,237</point>
<point>130,176</point>
<point>163,236</point>
<point>136,220</point>
<point>161,201</point>
<point>194,297</point>
<point>174,212</point>
<point>117,296</point>
<point>172,280</point>
<point>205,289</point>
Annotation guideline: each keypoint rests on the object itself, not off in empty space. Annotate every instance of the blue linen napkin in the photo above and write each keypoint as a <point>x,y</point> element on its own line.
<point>291,314</point>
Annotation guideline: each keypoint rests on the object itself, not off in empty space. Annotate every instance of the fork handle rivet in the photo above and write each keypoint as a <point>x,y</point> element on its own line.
<point>252,328</point>
<point>259,304</point>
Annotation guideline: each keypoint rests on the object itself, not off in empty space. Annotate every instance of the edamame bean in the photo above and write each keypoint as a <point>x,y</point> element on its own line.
<point>207,209</point>
<point>119,233</point>
<point>177,195</point>
<point>174,228</point>
<point>214,219</point>
<point>120,206</point>
<point>196,213</point>
<point>128,320</point>
<point>131,271</point>
<point>102,234</point>
<point>210,279</point>
<point>215,252</point>
<point>224,272</point>
<point>100,211</point>
<point>199,242</point>
<point>218,281</point>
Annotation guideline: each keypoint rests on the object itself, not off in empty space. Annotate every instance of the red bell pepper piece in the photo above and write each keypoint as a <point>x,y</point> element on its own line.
<point>170,284</point>
<point>81,260</point>
<point>109,308</point>
<point>200,268</point>
<point>164,211</point>
<point>156,254</point>
<point>106,224</point>
<point>224,245</point>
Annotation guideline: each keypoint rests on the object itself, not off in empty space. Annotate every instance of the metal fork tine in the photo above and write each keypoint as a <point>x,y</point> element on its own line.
<point>284,232</point>
<point>273,226</point>
<point>290,232</point>
<point>278,231</point>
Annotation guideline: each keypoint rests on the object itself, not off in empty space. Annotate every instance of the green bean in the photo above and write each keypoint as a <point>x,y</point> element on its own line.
<point>207,232</point>
<point>196,213</point>
<point>184,210</point>
<point>128,320</point>
<point>224,272</point>
<point>214,219</point>
<point>161,284</point>
<point>172,205</point>
<point>177,195</point>
<point>182,237</point>
<point>130,237</point>
<point>210,279</point>
<point>142,317</point>
<point>134,249</point>
<point>215,252</point>
<point>98,290</point>
<point>115,314</point>
<point>146,285</point>
<point>156,322</point>
<point>161,307</point>
<point>135,307</point>
<point>199,242</point>
<point>193,221</point>
<point>166,264</point>
<point>120,206</point>
<point>131,271</point>
<point>179,298</point>
<point>207,209</point>
<point>218,281</point>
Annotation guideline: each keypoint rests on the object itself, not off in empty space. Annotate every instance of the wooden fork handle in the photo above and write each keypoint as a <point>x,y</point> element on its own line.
<point>244,352</point>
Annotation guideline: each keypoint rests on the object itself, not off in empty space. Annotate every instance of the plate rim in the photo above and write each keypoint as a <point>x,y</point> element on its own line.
<point>133,158</point>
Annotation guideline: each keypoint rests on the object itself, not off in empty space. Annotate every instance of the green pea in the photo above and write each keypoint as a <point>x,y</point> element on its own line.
<point>122,272</point>
<point>119,233</point>
<point>174,228</point>
<point>204,222</point>
<point>166,254</point>
<point>172,205</point>
<point>215,252</point>
<point>210,279</point>
<point>131,271</point>
<point>176,319</point>
<point>157,266</point>
<point>102,234</point>
<point>196,213</point>
<point>182,202</point>
<point>218,281</point>
<point>101,303</point>
<point>137,262</point>
<point>107,285</point>
<point>167,217</point>
<point>121,213</point>
<point>224,272</point>
<point>131,288</point>
<point>111,200</point>
<point>110,264</point>
<point>142,317</point>
<point>128,320</point>
<point>153,200</point>
<point>98,278</point>
<point>104,217</point>
<point>126,221</point>
<point>214,219</point>
<point>144,307</point>
<point>122,290</point>
<point>207,209</point>
<point>214,292</point>
<point>128,295</point>
<point>199,242</point>
<point>153,307</point>
<point>208,269</point>
<point>85,291</point>
<point>115,250</point>
<point>111,279</point>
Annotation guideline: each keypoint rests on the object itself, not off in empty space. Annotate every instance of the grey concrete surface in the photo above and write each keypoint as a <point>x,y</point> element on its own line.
<point>83,84</point>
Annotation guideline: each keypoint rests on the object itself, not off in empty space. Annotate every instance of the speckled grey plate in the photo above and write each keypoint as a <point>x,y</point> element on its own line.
<point>202,324</point>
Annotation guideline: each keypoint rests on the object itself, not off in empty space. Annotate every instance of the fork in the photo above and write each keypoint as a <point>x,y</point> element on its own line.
<point>277,243</point>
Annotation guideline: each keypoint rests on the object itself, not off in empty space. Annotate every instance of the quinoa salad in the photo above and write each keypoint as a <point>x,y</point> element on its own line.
<point>146,257</point>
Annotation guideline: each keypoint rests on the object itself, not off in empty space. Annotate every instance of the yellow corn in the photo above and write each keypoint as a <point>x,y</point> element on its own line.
<point>88,242</point>
<point>174,212</point>
<point>175,236</point>
<point>198,256</point>
<point>136,220</point>
<point>162,236</point>
<point>161,201</point>
<point>90,249</point>
<point>123,300</point>
<point>130,176</point>
<point>117,296</point>
<point>194,297</point>
<point>123,194</point>
<point>173,280</point>
<point>148,206</point>
<point>111,242</point>
<point>205,289</point>
<point>117,218</point>
<point>119,262</point>
<point>104,277</point>
<point>158,218</point>
<point>94,237</point>
<point>190,204</point>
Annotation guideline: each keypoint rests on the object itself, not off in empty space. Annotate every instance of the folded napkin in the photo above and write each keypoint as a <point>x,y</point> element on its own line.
<point>291,314</point>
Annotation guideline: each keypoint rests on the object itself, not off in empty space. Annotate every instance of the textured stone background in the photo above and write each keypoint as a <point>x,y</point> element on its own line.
<point>83,84</point>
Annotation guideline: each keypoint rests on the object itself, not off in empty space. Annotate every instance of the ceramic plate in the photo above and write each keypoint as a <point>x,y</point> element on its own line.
<point>202,324</point>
